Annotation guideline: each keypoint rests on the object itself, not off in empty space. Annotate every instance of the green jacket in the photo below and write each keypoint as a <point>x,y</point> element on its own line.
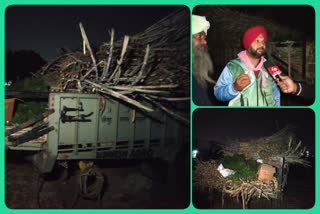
<point>254,94</point>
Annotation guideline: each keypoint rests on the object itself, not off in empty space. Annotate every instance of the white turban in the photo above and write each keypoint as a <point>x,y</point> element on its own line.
<point>199,24</point>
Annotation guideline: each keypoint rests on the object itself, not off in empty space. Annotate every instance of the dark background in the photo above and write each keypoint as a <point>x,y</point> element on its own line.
<point>44,29</point>
<point>297,17</point>
<point>218,124</point>
<point>35,35</point>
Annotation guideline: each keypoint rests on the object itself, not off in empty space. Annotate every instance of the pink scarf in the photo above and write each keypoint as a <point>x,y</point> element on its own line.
<point>245,59</point>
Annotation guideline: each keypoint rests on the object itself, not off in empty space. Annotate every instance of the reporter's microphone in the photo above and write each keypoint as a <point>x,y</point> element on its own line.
<point>273,70</point>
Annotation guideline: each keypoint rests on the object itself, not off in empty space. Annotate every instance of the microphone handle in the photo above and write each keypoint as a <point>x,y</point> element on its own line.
<point>278,77</point>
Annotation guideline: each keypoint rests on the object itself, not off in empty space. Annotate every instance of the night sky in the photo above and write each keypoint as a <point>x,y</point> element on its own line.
<point>45,29</point>
<point>217,124</point>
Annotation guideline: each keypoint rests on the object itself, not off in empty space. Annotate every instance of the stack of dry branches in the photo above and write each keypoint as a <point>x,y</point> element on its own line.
<point>207,177</point>
<point>150,67</point>
<point>251,188</point>
<point>279,144</point>
<point>294,154</point>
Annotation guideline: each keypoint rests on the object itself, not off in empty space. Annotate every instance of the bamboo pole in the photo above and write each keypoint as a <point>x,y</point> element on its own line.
<point>126,88</point>
<point>119,96</point>
<point>106,68</point>
<point>182,119</point>
<point>93,68</point>
<point>123,51</point>
<point>145,61</point>
<point>85,39</point>
<point>171,98</point>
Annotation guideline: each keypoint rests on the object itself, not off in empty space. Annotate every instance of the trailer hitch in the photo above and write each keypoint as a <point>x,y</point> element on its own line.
<point>68,118</point>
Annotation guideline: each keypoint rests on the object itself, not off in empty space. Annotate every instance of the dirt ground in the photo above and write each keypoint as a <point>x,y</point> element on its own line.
<point>128,184</point>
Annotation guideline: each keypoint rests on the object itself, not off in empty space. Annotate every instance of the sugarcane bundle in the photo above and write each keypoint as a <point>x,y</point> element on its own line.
<point>249,178</point>
<point>150,67</point>
<point>270,148</point>
<point>206,177</point>
<point>251,188</point>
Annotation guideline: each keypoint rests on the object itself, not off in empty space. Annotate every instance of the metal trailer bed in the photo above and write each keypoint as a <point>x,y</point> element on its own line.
<point>89,126</point>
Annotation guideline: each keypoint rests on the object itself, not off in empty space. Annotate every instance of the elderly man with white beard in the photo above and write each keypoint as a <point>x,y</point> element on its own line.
<point>202,66</point>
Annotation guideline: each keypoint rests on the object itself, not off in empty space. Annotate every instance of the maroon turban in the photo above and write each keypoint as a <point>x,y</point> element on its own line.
<point>251,34</point>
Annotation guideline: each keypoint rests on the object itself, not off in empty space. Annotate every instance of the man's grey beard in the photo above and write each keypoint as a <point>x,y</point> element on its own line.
<point>202,65</point>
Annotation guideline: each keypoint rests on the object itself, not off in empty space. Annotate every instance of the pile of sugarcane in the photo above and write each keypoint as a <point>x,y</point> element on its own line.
<point>251,188</point>
<point>282,143</point>
<point>206,177</point>
<point>150,67</point>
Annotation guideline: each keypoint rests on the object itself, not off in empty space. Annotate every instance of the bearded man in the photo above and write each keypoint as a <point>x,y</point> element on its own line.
<point>245,81</point>
<point>202,66</point>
